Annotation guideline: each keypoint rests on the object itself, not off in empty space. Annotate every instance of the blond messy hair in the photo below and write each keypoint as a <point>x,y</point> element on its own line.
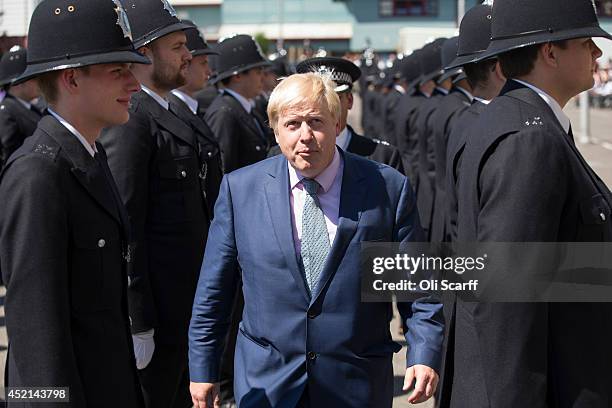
<point>301,90</point>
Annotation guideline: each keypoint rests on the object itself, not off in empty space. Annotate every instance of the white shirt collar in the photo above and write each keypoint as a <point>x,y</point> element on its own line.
<point>246,104</point>
<point>465,92</point>
<point>191,103</point>
<point>485,101</point>
<point>90,149</point>
<point>399,89</point>
<point>164,103</point>
<point>27,104</point>
<point>325,178</point>
<point>550,101</point>
<point>343,139</point>
<point>442,90</point>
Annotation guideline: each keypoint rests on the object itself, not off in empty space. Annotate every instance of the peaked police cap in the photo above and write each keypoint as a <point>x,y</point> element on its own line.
<point>152,19</point>
<point>76,33</point>
<point>431,60</point>
<point>12,64</point>
<point>343,72</point>
<point>195,41</point>
<point>474,36</point>
<point>521,23</point>
<point>237,54</point>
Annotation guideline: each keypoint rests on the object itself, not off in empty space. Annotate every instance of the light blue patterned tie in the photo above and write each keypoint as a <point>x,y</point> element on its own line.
<point>315,239</point>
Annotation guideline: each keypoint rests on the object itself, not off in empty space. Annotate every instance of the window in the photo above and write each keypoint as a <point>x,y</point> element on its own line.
<point>604,8</point>
<point>399,8</point>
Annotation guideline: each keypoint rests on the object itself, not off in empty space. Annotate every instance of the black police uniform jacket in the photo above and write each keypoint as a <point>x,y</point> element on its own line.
<point>155,162</point>
<point>389,116</point>
<point>373,149</point>
<point>426,159</point>
<point>63,242</point>
<point>205,98</point>
<point>443,121</point>
<point>16,123</point>
<point>211,172</point>
<point>406,135</point>
<point>523,180</point>
<point>368,111</point>
<point>242,142</point>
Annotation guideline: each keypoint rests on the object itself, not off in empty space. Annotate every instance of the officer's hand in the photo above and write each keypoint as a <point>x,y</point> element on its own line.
<point>426,383</point>
<point>144,346</point>
<point>205,395</point>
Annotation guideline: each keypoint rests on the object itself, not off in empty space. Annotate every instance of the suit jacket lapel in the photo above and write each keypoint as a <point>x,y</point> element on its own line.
<point>277,194</point>
<point>86,169</point>
<point>352,196</point>
<point>166,119</point>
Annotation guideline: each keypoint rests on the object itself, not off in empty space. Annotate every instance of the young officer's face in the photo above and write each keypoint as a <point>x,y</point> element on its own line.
<point>307,137</point>
<point>198,72</point>
<point>107,89</point>
<point>577,64</point>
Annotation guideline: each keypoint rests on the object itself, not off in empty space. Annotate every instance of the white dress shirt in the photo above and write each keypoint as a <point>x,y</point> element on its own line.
<point>330,180</point>
<point>164,103</point>
<point>466,93</point>
<point>191,103</point>
<point>26,104</point>
<point>550,101</point>
<point>485,101</point>
<point>91,149</point>
<point>344,139</point>
<point>399,89</point>
<point>246,104</point>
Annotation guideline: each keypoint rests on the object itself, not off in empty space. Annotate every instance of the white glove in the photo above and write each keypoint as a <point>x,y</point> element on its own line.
<point>144,346</point>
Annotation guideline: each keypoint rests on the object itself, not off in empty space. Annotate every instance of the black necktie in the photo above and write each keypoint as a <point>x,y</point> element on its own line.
<point>571,135</point>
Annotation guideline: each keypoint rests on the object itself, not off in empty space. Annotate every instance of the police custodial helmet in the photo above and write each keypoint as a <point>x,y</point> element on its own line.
<point>237,54</point>
<point>196,44</point>
<point>431,60</point>
<point>75,33</point>
<point>343,72</point>
<point>152,19</point>
<point>521,23</point>
<point>449,53</point>
<point>474,36</point>
<point>12,64</point>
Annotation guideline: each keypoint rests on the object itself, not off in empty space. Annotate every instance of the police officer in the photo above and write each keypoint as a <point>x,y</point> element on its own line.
<point>442,123</point>
<point>156,162</point>
<point>397,88</point>
<point>243,135</point>
<point>431,65</point>
<point>272,75</point>
<point>185,106</point>
<point>18,116</point>
<point>524,180</point>
<point>407,114</point>
<point>486,81</point>
<point>64,233</point>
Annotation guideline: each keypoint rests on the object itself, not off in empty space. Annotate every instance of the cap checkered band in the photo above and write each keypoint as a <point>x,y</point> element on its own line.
<point>338,77</point>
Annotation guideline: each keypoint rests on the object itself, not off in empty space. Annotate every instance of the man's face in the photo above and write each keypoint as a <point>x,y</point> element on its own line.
<point>107,88</point>
<point>307,137</point>
<point>32,90</point>
<point>252,82</point>
<point>198,73</point>
<point>270,80</point>
<point>346,104</point>
<point>577,64</point>
<point>170,58</point>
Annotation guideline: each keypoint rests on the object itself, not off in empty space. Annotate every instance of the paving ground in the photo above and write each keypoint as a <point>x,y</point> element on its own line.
<point>598,153</point>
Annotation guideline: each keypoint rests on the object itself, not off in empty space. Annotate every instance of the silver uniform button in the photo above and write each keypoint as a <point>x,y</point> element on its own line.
<point>602,216</point>
<point>258,148</point>
<point>183,174</point>
<point>101,243</point>
<point>209,154</point>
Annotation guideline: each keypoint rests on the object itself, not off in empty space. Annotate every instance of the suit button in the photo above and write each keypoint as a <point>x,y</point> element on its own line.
<point>602,216</point>
<point>209,154</point>
<point>312,315</point>
<point>101,243</point>
<point>258,148</point>
<point>183,174</point>
<point>312,355</point>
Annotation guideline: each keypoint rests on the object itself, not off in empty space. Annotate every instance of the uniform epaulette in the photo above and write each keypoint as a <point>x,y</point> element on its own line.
<point>46,150</point>
<point>382,142</point>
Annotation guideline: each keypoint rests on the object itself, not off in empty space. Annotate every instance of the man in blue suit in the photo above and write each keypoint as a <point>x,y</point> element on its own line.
<point>293,225</point>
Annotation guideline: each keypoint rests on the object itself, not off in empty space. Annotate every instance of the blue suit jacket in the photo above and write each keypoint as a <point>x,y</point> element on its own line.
<point>331,341</point>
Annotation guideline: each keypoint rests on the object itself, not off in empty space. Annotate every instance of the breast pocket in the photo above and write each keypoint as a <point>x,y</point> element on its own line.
<point>177,179</point>
<point>96,267</point>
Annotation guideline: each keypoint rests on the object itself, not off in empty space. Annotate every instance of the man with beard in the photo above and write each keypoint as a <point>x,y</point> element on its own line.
<point>242,133</point>
<point>155,161</point>
<point>18,116</point>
